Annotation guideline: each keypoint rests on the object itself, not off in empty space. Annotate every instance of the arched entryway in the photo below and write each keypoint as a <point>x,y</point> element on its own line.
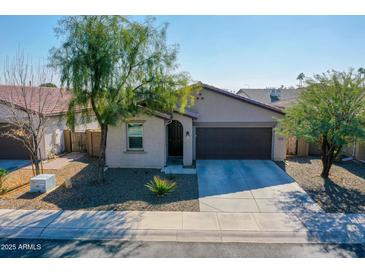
<point>175,139</point>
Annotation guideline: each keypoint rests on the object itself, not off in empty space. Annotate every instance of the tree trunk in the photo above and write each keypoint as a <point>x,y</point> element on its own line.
<point>36,165</point>
<point>101,163</point>
<point>329,154</point>
<point>327,161</point>
<point>326,158</point>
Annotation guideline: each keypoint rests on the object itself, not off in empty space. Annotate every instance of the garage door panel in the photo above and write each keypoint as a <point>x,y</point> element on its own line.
<point>233,143</point>
<point>11,148</point>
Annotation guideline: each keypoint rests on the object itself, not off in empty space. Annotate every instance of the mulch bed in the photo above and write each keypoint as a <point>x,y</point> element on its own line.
<point>124,190</point>
<point>343,192</point>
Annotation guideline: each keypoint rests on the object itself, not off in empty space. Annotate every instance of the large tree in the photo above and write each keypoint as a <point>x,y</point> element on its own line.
<point>330,111</point>
<point>118,68</point>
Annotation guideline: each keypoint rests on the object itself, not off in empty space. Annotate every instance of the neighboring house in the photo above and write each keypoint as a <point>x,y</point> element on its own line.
<point>283,98</point>
<point>276,97</point>
<point>55,108</point>
<point>220,125</point>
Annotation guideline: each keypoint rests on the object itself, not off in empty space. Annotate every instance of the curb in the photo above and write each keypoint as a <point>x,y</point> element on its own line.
<point>172,235</point>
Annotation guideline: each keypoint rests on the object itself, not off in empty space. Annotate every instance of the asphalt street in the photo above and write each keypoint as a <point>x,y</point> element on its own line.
<point>34,248</point>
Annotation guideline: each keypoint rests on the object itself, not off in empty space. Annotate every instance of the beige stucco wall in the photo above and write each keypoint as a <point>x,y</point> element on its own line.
<point>154,144</point>
<point>187,124</point>
<point>216,108</point>
<point>6,113</point>
<point>53,138</point>
<point>278,152</point>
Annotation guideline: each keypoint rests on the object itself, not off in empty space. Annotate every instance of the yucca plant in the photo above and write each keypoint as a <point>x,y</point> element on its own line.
<point>160,187</point>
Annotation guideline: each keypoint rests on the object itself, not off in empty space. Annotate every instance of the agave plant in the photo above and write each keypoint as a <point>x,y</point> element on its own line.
<point>161,187</point>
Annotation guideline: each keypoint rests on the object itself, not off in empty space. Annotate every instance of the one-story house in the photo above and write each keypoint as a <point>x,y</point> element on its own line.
<point>52,103</point>
<point>220,125</point>
<point>286,97</point>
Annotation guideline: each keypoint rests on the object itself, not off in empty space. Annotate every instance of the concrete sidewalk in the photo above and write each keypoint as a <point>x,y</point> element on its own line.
<point>183,226</point>
<point>61,161</point>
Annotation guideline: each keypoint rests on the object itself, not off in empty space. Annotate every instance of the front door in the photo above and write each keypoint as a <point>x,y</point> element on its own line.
<point>175,138</point>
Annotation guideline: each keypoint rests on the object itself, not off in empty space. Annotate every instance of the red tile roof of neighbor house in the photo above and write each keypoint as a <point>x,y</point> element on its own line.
<point>48,101</point>
<point>45,100</point>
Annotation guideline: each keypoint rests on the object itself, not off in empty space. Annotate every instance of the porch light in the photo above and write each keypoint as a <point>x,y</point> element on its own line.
<point>187,134</point>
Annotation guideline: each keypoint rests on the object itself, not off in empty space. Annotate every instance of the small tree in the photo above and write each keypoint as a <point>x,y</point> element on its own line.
<point>119,68</point>
<point>330,111</point>
<point>361,71</point>
<point>301,78</point>
<point>23,105</point>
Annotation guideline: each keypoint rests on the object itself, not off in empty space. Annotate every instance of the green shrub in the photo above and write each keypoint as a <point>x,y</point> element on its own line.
<point>160,187</point>
<point>3,173</point>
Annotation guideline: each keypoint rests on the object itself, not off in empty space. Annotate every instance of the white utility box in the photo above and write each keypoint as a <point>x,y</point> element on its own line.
<point>42,183</point>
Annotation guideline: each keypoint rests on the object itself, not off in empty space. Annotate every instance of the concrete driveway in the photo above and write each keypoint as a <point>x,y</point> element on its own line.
<point>255,186</point>
<point>11,165</point>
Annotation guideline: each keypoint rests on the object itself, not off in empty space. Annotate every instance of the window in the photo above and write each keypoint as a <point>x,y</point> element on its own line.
<point>135,136</point>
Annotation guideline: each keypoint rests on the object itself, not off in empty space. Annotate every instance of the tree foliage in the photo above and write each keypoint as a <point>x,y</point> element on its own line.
<point>361,71</point>
<point>330,111</point>
<point>301,78</point>
<point>119,69</point>
<point>48,85</point>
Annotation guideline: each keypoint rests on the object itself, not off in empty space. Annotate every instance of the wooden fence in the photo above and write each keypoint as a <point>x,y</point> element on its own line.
<point>87,141</point>
<point>297,147</point>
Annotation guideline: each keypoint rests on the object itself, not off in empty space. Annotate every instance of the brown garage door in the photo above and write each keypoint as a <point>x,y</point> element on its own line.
<point>11,148</point>
<point>233,143</point>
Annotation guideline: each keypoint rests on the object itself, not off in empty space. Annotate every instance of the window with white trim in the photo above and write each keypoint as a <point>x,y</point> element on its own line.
<point>135,136</point>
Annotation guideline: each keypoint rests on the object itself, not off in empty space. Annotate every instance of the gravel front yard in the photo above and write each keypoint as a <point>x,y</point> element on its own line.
<point>344,191</point>
<point>125,190</point>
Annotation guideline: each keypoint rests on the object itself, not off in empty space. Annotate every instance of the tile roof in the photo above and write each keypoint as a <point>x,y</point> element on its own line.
<point>287,97</point>
<point>187,112</point>
<point>45,100</point>
<point>56,100</point>
<point>191,113</point>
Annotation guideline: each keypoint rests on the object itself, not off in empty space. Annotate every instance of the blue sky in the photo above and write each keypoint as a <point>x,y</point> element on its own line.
<point>229,51</point>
